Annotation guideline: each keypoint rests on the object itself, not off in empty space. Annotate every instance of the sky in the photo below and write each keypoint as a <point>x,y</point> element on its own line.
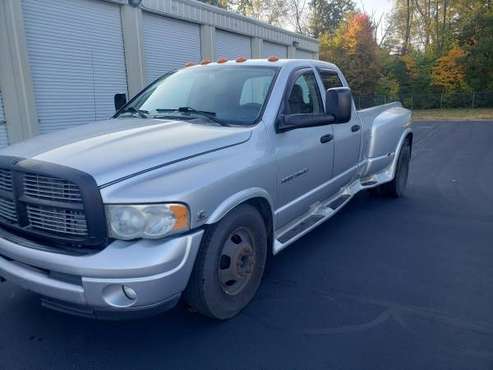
<point>377,8</point>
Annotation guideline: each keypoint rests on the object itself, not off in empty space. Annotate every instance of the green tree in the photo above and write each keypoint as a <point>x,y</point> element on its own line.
<point>326,15</point>
<point>270,11</point>
<point>476,38</point>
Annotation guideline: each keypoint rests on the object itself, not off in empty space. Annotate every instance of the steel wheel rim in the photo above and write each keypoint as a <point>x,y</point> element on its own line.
<point>236,261</point>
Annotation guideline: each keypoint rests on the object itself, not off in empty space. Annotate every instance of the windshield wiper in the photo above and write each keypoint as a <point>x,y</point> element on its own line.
<point>141,112</point>
<point>209,115</point>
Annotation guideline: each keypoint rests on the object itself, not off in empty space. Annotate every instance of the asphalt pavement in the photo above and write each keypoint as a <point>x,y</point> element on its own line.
<point>385,284</point>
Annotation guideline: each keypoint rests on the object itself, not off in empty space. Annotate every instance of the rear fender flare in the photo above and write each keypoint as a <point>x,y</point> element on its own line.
<point>402,139</point>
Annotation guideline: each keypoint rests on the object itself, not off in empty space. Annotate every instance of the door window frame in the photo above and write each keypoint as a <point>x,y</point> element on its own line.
<point>293,77</point>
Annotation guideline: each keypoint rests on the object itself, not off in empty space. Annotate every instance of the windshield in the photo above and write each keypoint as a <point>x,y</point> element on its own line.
<point>224,94</point>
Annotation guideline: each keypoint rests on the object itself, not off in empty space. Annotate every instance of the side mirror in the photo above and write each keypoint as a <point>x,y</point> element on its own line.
<point>120,100</point>
<point>338,102</point>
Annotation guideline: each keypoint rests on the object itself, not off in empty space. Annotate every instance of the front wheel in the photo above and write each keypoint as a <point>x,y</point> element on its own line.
<point>230,264</point>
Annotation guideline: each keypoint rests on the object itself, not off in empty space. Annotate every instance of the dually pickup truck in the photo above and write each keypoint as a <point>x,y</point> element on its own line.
<point>192,186</point>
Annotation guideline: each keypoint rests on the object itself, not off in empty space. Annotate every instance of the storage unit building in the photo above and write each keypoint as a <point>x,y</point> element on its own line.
<point>168,44</point>
<point>232,45</point>
<point>270,49</point>
<point>76,55</point>
<point>72,56</point>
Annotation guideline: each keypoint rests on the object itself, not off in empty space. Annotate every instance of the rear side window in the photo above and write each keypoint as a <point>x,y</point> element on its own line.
<point>330,79</point>
<point>304,96</point>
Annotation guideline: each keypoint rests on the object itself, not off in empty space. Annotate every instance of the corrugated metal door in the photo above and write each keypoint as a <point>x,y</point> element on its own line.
<point>77,60</point>
<point>269,49</point>
<point>169,44</point>
<point>231,45</point>
<point>4,139</point>
<point>303,54</point>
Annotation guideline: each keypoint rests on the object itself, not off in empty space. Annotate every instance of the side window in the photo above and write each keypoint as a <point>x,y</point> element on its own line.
<point>305,96</point>
<point>330,79</point>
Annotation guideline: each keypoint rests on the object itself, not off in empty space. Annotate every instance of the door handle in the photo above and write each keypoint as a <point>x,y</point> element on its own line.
<point>355,128</point>
<point>326,138</point>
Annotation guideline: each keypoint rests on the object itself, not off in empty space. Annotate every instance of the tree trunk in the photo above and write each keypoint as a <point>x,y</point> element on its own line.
<point>408,27</point>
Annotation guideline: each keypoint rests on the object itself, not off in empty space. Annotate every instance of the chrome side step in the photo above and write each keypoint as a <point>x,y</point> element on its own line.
<point>321,212</point>
<point>317,216</point>
<point>299,228</point>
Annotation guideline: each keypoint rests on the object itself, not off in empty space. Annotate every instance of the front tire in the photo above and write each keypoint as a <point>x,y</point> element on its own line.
<point>230,264</point>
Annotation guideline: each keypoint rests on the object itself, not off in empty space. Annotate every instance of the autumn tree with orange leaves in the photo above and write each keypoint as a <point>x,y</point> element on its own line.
<point>448,74</point>
<point>354,49</point>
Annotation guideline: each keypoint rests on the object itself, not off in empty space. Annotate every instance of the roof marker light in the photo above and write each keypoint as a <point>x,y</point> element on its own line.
<point>205,61</point>
<point>241,59</point>
<point>189,64</point>
<point>273,58</point>
<point>222,60</point>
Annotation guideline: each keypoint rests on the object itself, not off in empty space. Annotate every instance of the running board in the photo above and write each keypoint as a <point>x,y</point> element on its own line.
<point>319,215</point>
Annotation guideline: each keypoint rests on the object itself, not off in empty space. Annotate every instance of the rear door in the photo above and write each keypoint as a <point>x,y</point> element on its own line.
<point>347,137</point>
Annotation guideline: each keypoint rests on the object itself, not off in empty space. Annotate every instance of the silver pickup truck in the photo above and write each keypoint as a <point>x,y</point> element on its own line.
<point>192,187</point>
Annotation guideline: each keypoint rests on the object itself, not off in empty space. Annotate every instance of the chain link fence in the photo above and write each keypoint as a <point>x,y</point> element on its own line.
<point>430,101</point>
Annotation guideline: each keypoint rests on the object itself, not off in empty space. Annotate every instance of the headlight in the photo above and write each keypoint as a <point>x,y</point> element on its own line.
<point>150,221</point>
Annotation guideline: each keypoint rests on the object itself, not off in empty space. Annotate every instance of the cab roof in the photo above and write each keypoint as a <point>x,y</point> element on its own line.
<point>265,62</point>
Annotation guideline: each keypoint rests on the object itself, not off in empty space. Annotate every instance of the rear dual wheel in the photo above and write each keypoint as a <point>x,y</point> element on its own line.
<point>230,264</point>
<point>397,187</point>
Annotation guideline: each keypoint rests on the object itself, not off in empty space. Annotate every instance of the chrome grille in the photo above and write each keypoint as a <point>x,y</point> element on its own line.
<point>8,210</point>
<point>65,221</point>
<point>6,180</point>
<point>51,188</point>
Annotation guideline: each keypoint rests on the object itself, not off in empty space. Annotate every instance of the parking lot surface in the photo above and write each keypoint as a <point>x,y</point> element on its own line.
<point>385,284</point>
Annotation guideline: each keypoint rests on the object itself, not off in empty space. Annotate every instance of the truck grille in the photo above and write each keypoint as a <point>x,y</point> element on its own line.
<point>7,210</point>
<point>63,221</point>
<point>50,207</point>
<point>5,180</point>
<point>51,188</point>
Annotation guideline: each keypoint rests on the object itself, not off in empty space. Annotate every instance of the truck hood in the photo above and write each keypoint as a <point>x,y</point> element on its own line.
<point>118,148</point>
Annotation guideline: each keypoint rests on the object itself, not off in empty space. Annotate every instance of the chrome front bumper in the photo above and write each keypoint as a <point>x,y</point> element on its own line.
<point>124,277</point>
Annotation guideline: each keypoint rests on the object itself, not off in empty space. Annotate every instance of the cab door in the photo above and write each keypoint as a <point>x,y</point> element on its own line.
<point>304,155</point>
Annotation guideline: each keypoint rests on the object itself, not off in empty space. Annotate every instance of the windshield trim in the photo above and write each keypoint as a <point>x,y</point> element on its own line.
<point>166,75</point>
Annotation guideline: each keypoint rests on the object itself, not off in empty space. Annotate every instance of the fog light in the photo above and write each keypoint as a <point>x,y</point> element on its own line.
<point>129,292</point>
<point>120,296</point>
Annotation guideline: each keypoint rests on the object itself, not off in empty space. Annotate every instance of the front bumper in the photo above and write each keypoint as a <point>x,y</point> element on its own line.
<point>125,277</point>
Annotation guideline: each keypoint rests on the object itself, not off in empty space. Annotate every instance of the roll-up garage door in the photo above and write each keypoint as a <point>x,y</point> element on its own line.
<point>4,140</point>
<point>77,60</point>
<point>269,49</point>
<point>169,44</point>
<point>231,45</point>
<point>303,54</point>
